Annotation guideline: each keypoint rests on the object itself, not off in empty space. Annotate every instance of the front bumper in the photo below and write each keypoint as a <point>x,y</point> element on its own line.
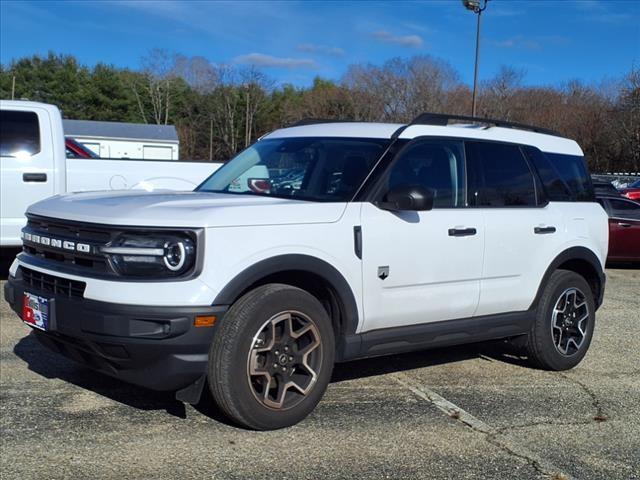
<point>154,347</point>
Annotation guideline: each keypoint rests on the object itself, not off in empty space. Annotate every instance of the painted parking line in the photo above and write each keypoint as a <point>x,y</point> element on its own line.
<point>545,468</point>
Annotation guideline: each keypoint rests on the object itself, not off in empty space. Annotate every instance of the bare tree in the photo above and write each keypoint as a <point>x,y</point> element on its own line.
<point>254,84</point>
<point>158,69</point>
<point>499,96</point>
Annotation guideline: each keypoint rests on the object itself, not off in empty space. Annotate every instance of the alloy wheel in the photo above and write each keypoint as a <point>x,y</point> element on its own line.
<point>284,360</point>
<point>570,321</point>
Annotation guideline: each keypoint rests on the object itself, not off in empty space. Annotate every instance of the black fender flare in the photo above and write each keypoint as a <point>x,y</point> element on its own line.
<point>574,253</point>
<point>302,263</point>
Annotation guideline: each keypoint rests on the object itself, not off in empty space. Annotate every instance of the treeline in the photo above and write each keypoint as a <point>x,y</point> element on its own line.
<point>220,109</point>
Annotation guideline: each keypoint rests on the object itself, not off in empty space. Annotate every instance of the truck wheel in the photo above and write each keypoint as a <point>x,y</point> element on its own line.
<point>564,323</point>
<point>272,357</point>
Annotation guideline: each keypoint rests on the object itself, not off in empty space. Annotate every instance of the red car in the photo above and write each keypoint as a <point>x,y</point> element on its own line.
<point>624,228</point>
<point>632,191</point>
<point>77,150</point>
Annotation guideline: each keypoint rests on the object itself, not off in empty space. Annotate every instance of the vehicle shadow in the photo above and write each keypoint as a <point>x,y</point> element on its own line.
<point>51,365</point>
<point>497,350</point>
<point>7,255</point>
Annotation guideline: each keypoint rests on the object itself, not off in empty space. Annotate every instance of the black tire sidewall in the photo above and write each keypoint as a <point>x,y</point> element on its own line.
<point>548,356</point>
<point>265,302</point>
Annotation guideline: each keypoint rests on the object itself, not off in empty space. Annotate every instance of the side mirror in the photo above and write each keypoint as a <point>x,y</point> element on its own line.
<point>408,198</point>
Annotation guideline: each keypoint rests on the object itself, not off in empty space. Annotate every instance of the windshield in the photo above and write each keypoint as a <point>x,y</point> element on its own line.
<point>635,184</point>
<point>317,169</point>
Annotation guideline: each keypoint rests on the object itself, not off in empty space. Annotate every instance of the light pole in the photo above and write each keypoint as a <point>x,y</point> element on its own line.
<point>476,6</point>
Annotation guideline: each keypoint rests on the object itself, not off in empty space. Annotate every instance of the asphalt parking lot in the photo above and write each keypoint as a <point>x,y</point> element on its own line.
<point>468,412</point>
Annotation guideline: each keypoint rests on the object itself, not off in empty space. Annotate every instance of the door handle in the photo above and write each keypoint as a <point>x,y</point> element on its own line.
<point>34,177</point>
<point>544,230</point>
<point>462,232</point>
<point>624,225</point>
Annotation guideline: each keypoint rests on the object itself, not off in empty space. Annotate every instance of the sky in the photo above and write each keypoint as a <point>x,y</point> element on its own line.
<point>295,41</point>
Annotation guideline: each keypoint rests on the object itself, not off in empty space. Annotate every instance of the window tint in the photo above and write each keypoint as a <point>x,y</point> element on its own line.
<point>556,188</point>
<point>625,209</point>
<point>434,164</point>
<point>19,133</point>
<point>318,169</point>
<point>499,176</point>
<point>573,170</point>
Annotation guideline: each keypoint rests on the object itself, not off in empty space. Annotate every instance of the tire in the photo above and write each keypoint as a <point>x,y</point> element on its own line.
<point>551,347</point>
<point>255,355</point>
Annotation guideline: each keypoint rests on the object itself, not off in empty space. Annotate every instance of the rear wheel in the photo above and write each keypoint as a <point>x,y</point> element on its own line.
<point>272,358</point>
<point>564,324</point>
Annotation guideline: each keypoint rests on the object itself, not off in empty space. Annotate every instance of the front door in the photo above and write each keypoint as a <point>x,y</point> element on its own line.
<point>421,267</point>
<point>27,164</point>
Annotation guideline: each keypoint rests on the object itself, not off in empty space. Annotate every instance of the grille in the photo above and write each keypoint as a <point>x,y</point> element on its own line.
<point>44,282</point>
<point>73,232</point>
<point>58,228</point>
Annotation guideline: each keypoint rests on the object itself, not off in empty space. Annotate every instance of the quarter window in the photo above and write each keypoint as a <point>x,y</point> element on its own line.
<point>434,164</point>
<point>556,188</point>
<point>573,170</point>
<point>19,134</point>
<point>499,176</point>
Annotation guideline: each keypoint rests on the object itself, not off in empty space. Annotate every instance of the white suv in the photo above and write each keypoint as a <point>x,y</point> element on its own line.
<point>321,243</point>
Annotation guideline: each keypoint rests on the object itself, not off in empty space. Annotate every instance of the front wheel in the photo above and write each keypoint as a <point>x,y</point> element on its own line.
<point>564,324</point>
<point>271,360</point>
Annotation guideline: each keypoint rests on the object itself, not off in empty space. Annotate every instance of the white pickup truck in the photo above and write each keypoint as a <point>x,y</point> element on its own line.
<point>34,166</point>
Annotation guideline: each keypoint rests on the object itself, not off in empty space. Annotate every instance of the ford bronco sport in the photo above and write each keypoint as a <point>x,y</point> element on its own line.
<point>321,243</point>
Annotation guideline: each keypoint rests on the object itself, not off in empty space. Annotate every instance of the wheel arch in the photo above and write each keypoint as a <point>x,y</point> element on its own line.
<point>582,261</point>
<point>309,273</point>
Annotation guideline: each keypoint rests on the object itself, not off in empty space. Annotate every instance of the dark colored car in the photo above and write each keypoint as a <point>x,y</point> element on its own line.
<point>602,187</point>
<point>77,150</point>
<point>632,191</point>
<point>624,228</point>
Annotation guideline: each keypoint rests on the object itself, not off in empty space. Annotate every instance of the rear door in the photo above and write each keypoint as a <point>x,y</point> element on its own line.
<point>522,230</point>
<point>27,164</point>
<point>624,229</point>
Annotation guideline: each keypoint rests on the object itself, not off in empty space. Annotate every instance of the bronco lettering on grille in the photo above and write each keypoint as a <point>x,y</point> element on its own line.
<point>56,243</point>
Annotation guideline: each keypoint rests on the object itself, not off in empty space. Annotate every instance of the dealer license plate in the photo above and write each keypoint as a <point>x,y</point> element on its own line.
<point>35,311</point>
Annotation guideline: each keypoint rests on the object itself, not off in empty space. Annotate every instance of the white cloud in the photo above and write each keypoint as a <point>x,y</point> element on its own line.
<point>322,49</point>
<point>534,43</point>
<point>402,40</point>
<point>269,61</point>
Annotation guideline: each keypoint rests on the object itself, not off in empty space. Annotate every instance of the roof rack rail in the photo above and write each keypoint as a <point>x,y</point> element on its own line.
<point>443,119</point>
<point>315,121</point>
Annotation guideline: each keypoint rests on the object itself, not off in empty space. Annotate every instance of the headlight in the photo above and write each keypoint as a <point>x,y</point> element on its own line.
<point>159,254</point>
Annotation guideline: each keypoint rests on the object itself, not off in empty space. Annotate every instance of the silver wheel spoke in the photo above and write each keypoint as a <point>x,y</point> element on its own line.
<point>284,360</point>
<point>569,321</point>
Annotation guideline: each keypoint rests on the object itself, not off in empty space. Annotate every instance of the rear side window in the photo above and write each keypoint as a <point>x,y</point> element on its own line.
<point>624,209</point>
<point>573,170</point>
<point>19,133</point>
<point>499,176</point>
<point>556,188</point>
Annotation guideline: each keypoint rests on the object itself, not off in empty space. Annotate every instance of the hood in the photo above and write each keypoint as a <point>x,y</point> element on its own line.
<point>184,209</point>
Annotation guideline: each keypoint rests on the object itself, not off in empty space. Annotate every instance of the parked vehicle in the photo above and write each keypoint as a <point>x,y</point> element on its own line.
<point>632,191</point>
<point>397,238</point>
<point>35,164</point>
<point>624,228</point>
<point>75,149</point>
<point>605,188</point>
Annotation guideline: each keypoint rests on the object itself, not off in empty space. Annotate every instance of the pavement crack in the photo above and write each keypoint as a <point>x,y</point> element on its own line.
<point>491,434</point>
<point>600,415</point>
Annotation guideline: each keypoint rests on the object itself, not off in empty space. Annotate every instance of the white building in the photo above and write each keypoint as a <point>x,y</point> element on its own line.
<point>125,140</point>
